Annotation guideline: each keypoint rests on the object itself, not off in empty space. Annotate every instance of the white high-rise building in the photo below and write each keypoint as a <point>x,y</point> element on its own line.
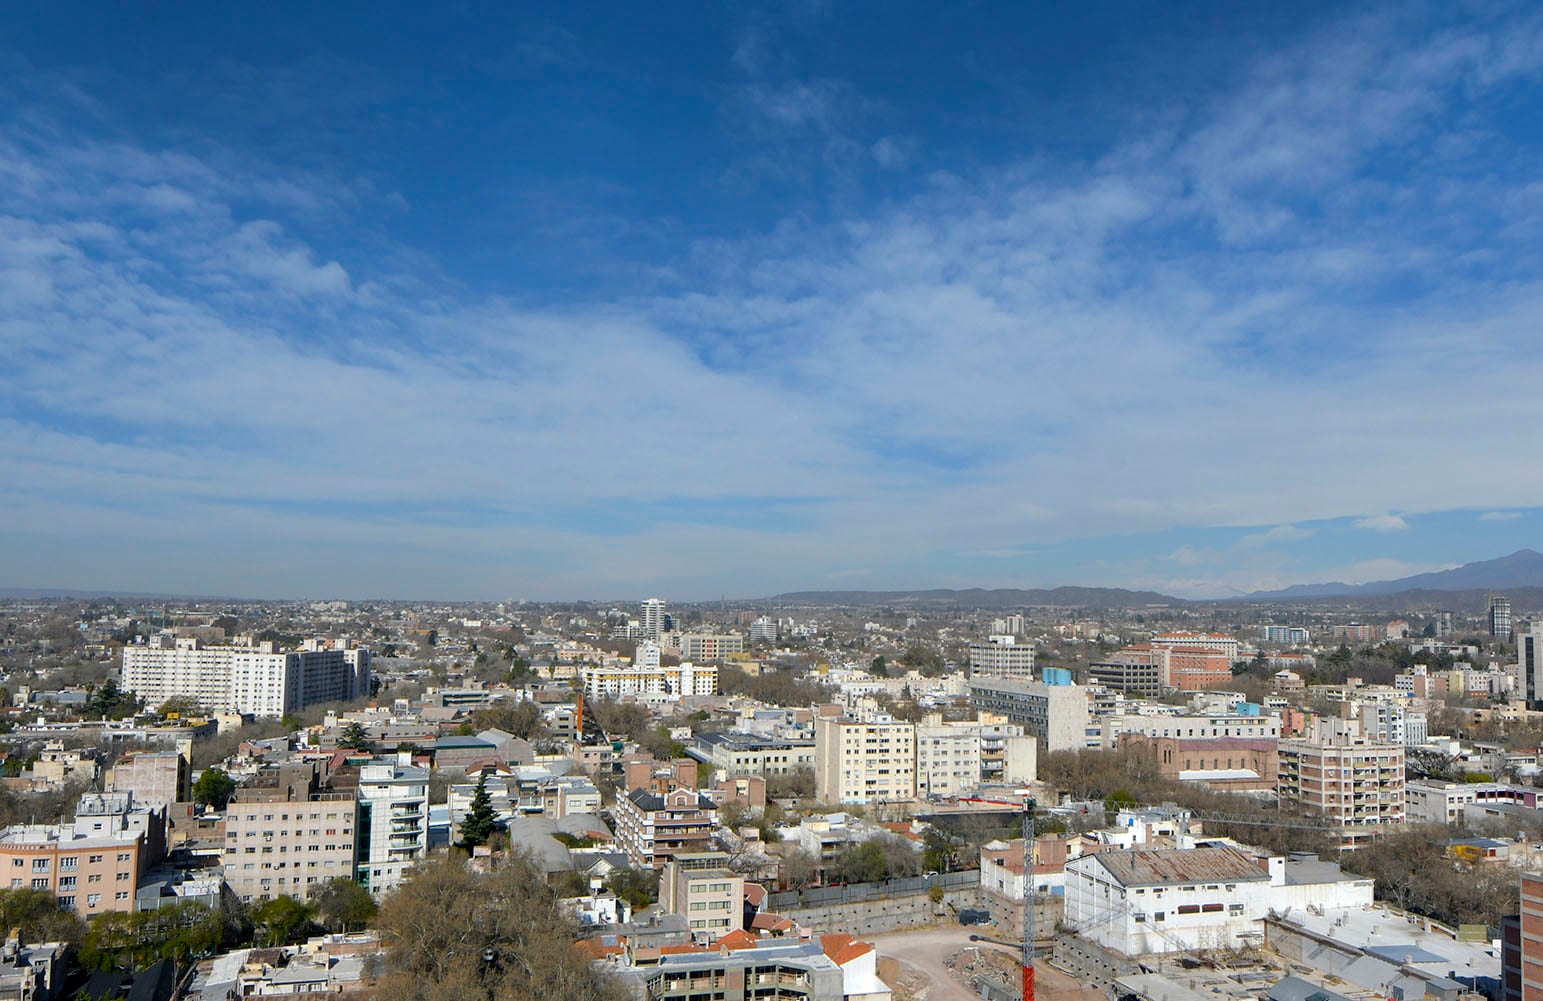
<point>393,825</point>
<point>259,680</point>
<point>653,619</point>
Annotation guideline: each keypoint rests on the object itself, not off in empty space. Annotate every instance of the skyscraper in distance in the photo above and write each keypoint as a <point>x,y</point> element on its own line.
<point>1500,616</point>
<point>653,619</point>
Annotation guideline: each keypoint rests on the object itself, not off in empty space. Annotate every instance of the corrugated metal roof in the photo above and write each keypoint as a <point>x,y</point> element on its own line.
<point>1149,867</point>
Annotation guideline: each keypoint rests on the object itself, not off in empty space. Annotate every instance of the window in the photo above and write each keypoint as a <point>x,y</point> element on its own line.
<point>95,877</point>
<point>93,899</point>
<point>93,859</point>
<point>40,884</point>
<point>66,882</point>
<point>69,861</point>
<point>40,865</point>
<point>68,903</point>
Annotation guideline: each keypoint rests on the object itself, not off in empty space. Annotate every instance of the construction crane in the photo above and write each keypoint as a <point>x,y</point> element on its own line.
<point>1028,898</point>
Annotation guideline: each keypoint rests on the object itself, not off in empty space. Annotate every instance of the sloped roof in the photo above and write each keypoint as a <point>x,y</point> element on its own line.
<point>1157,867</point>
<point>842,949</point>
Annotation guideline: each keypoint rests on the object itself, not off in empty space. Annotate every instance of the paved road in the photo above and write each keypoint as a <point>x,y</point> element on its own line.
<point>925,951</point>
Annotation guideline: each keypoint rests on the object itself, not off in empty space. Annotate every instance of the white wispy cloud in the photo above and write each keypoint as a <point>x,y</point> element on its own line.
<point>1383,523</point>
<point>1499,516</point>
<point>195,363</point>
<point>1280,533</point>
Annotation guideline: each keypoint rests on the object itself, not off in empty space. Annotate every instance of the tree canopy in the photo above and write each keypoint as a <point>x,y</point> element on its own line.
<point>214,789</point>
<point>455,934</point>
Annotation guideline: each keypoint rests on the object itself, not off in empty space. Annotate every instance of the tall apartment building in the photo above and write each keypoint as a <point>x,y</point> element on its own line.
<point>287,833</point>
<point>685,678</point>
<point>1010,625</point>
<point>947,758</point>
<point>1351,782</point>
<point>764,629</point>
<point>709,646</point>
<point>864,761</point>
<point>651,828</point>
<point>92,865</point>
<point>258,680</point>
<point>1002,657</point>
<point>1500,616</point>
<point>1220,642</point>
<point>652,625</point>
<point>700,887</point>
<point>393,827</point>
<point>957,758</point>
<point>1057,714</point>
<point>1529,666</point>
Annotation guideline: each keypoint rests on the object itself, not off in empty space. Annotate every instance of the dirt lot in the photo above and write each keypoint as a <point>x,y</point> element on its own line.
<point>926,954</point>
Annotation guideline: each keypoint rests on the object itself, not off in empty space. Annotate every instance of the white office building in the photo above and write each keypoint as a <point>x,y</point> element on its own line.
<point>259,679</point>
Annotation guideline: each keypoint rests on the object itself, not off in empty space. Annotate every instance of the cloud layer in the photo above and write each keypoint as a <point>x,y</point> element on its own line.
<point>1277,306</point>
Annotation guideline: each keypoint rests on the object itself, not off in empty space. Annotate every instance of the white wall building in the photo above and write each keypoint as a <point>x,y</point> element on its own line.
<point>1056,714</point>
<point>662,683</point>
<point>260,680</point>
<point>864,761</point>
<point>1002,657</point>
<point>1152,901</point>
<point>393,826</point>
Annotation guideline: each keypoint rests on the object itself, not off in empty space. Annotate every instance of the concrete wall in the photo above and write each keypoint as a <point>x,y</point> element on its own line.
<point>872,917</point>
<point>1007,916</point>
<point>1089,962</point>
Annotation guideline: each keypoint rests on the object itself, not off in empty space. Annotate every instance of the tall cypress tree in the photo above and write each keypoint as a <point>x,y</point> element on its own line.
<point>480,819</point>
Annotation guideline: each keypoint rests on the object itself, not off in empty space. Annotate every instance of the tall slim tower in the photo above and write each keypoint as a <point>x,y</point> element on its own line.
<point>653,619</point>
<point>1500,616</point>
<point>1529,665</point>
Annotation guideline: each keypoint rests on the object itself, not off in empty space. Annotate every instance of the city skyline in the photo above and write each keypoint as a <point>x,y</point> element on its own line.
<point>556,305</point>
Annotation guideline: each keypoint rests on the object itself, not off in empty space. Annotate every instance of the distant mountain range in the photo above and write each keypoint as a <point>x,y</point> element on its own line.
<point>1462,588</point>
<point>977,597</point>
<point>1522,569</point>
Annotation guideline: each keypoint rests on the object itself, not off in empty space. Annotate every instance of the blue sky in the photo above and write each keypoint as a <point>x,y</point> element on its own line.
<point>526,301</point>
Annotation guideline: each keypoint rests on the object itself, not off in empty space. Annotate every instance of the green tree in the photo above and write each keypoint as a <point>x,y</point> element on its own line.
<point>480,820</point>
<point>38,914</point>
<point>132,941</point>
<point>342,904</point>
<point>354,737</point>
<point>182,705</point>
<point>879,668</point>
<point>214,789</point>
<point>282,920</point>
